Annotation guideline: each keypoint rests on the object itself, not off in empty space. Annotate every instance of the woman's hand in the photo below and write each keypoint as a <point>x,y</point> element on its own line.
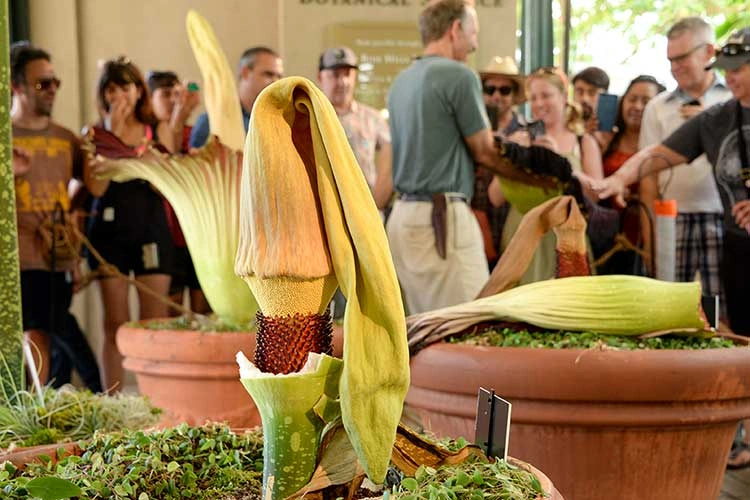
<point>118,112</point>
<point>609,187</point>
<point>741,213</point>
<point>546,141</point>
<point>520,137</point>
<point>185,103</point>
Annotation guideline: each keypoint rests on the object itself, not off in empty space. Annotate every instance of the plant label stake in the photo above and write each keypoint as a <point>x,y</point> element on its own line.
<point>710,304</point>
<point>492,426</point>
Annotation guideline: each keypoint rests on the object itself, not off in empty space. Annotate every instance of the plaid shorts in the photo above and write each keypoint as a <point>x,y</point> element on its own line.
<point>699,245</point>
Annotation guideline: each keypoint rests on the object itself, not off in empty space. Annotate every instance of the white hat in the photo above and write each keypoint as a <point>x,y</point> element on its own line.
<point>506,67</point>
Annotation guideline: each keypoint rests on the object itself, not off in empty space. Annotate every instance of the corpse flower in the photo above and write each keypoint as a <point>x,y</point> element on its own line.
<point>309,224</point>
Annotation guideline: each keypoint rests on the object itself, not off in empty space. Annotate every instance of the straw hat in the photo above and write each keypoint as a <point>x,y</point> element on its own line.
<point>505,67</point>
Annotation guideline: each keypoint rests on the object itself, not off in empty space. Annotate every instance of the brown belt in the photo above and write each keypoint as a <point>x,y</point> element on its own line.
<point>438,217</point>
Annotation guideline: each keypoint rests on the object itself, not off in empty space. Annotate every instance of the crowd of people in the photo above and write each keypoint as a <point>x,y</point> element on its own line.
<point>434,168</point>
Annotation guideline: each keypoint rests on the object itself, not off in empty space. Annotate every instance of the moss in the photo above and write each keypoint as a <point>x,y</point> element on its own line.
<point>507,337</point>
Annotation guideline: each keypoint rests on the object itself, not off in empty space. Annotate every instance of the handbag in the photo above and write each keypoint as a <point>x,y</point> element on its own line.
<point>60,241</point>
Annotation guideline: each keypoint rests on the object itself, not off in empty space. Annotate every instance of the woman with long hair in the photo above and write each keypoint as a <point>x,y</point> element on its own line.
<point>624,142</point>
<point>129,227</point>
<point>620,146</point>
<point>546,90</point>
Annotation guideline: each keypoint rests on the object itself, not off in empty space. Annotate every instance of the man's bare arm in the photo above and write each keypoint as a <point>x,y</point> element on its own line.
<point>482,148</point>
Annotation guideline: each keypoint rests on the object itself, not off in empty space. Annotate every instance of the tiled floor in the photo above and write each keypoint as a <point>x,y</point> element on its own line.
<point>736,485</point>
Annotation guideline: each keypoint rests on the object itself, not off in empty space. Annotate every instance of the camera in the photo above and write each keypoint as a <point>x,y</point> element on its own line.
<point>535,129</point>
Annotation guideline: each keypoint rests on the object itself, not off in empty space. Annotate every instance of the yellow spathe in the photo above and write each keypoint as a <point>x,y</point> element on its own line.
<point>300,177</point>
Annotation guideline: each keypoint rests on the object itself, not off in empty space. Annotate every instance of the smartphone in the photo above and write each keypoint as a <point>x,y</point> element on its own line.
<point>535,129</point>
<point>193,87</point>
<point>606,111</point>
<point>492,115</point>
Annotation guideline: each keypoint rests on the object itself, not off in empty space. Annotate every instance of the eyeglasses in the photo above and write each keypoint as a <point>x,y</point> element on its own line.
<point>44,84</point>
<point>503,89</point>
<point>733,49</point>
<point>683,57</point>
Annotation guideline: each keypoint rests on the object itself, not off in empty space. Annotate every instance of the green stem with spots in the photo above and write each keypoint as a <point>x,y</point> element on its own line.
<point>11,327</point>
<point>294,410</point>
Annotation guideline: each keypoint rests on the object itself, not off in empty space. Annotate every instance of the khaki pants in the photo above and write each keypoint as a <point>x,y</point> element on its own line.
<point>428,281</point>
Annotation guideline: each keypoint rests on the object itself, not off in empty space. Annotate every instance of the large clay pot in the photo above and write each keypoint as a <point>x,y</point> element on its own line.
<point>601,424</point>
<point>192,376</point>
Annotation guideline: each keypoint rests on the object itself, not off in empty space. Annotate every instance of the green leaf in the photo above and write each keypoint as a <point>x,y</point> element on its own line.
<point>462,478</point>
<point>52,488</point>
<point>172,466</point>
<point>410,484</point>
<point>143,496</point>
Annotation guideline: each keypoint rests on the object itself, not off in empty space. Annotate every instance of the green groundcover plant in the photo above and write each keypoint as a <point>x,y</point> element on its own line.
<point>506,337</point>
<point>69,415</point>
<point>212,462</point>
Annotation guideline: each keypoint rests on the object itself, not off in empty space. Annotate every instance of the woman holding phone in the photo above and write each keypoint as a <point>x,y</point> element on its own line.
<point>174,102</point>
<point>619,146</point>
<point>129,227</point>
<point>546,89</point>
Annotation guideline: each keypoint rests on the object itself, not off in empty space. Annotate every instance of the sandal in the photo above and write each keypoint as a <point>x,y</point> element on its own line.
<point>739,457</point>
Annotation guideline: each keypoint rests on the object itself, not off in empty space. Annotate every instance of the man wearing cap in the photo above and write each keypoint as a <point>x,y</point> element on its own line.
<point>440,131</point>
<point>366,130</point>
<point>503,88</point>
<point>699,230</point>
<point>259,67</point>
<point>722,133</point>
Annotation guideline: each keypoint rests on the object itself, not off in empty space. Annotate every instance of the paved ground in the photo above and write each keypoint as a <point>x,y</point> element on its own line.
<point>736,485</point>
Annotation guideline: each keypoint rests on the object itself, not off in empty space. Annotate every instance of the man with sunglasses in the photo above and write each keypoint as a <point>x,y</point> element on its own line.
<point>503,89</point>
<point>46,158</point>
<point>699,228</point>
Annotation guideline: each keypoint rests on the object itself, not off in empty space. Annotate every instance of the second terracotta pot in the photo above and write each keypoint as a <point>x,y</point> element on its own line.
<point>191,375</point>
<point>629,425</point>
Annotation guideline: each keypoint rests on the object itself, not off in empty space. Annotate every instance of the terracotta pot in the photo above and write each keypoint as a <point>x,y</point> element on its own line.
<point>547,486</point>
<point>20,457</point>
<point>601,424</point>
<point>192,376</point>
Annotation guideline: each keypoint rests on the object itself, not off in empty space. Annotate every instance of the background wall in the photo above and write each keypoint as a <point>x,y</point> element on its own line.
<point>78,33</point>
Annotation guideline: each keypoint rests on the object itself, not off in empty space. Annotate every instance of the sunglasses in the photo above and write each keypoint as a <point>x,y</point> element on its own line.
<point>504,89</point>
<point>733,49</point>
<point>47,84</point>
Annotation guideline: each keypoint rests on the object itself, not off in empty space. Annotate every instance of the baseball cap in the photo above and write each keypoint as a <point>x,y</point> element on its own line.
<point>338,57</point>
<point>735,52</point>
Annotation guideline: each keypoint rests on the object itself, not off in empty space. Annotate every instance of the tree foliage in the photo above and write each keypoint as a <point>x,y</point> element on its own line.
<point>637,20</point>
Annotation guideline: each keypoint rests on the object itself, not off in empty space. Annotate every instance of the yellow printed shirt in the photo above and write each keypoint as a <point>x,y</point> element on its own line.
<point>56,158</point>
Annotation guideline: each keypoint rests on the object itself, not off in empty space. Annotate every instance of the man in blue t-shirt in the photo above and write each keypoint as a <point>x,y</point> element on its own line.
<point>439,133</point>
<point>259,67</point>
